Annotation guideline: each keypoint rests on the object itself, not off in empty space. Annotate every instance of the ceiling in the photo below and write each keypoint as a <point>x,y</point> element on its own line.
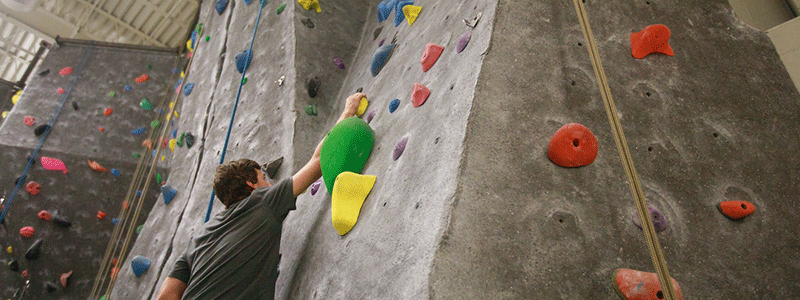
<point>163,23</point>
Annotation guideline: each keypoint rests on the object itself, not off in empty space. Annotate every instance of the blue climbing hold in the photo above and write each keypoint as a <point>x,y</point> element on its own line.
<point>380,57</point>
<point>115,221</point>
<point>160,111</point>
<point>399,17</point>
<point>154,152</point>
<point>138,193</point>
<point>169,193</point>
<point>115,172</point>
<point>385,9</point>
<point>394,105</point>
<point>175,71</point>
<point>194,38</point>
<point>243,60</point>
<point>187,89</point>
<point>174,133</point>
<point>178,84</point>
<point>221,5</point>
<point>138,131</point>
<point>128,88</point>
<point>247,2</point>
<point>139,264</point>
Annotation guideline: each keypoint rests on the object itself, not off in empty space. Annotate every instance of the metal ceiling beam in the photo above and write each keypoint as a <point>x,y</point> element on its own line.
<point>123,24</point>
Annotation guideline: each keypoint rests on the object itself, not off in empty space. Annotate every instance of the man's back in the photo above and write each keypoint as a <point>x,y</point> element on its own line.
<point>237,253</point>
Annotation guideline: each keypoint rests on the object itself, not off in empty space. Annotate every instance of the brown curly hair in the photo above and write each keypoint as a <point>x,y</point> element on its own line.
<point>230,182</point>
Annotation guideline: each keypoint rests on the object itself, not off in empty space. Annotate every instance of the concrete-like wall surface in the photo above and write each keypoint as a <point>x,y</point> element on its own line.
<point>787,43</point>
<point>80,194</point>
<point>706,125</point>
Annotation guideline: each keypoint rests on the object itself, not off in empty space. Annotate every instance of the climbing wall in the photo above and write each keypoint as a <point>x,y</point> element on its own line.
<point>83,194</point>
<point>706,125</point>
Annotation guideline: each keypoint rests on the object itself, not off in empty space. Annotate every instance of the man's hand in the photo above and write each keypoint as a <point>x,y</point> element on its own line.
<point>351,106</point>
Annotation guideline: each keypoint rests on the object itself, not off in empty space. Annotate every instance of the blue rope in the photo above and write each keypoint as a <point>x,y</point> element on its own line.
<point>50,123</point>
<point>236,105</point>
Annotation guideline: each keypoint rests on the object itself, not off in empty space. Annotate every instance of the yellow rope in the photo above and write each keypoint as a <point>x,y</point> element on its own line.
<point>622,147</point>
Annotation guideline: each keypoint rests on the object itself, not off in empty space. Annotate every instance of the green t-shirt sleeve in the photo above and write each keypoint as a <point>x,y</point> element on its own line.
<point>181,269</point>
<point>280,198</point>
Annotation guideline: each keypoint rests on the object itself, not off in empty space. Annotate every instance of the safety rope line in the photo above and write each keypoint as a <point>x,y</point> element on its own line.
<point>236,104</point>
<point>656,254</point>
<point>84,59</point>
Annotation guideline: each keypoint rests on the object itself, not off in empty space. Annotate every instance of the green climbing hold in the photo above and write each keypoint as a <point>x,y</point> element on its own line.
<point>145,104</point>
<point>155,124</point>
<point>158,178</point>
<point>136,155</point>
<point>112,94</point>
<point>149,66</point>
<point>95,150</point>
<point>208,38</point>
<point>280,8</point>
<point>179,142</point>
<point>346,148</point>
<point>311,110</point>
<point>199,28</point>
<point>139,229</point>
<point>244,81</point>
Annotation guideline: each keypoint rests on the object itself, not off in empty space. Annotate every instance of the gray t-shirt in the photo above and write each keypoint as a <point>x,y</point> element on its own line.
<point>236,255</point>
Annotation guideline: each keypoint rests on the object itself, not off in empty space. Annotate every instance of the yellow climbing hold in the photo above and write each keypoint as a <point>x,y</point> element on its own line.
<point>9,249</point>
<point>5,114</point>
<point>183,74</point>
<point>175,113</point>
<point>349,192</point>
<point>172,143</point>
<point>411,12</point>
<point>309,4</point>
<point>163,157</point>
<point>362,107</point>
<point>15,98</point>
<point>189,45</point>
<point>172,104</point>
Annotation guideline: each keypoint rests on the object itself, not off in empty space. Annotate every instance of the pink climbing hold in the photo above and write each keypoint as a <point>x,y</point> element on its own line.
<point>33,188</point>
<point>652,39</point>
<point>431,54</point>
<point>30,121</point>
<point>60,90</point>
<point>54,164</point>
<point>65,71</point>
<point>26,231</point>
<point>419,93</point>
<point>338,62</point>
<point>44,215</point>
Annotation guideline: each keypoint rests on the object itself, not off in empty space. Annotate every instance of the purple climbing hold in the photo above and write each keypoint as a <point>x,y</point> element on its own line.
<point>462,43</point>
<point>220,6</point>
<point>243,60</point>
<point>138,131</point>
<point>370,115</point>
<point>659,222</point>
<point>398,150</point>
<point>315,186</point>
<point>140,264</point>
<point>381,42</point>
<point>187,89</point>
<point>399,17</point>
<point>394,105</point>
<point>385,9</point>
<point>338,62</point>
<point>169,193</point>
<point>380,57</point>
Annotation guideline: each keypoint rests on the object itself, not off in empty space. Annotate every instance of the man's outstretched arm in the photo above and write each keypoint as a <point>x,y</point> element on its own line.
<point>171,289</point>
<point>312,171</point>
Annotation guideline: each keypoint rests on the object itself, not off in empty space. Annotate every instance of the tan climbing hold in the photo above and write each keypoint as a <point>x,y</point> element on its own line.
<point>349,193</point>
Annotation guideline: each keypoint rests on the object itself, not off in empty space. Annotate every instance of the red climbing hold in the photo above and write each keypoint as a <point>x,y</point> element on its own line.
<point>114,261</point>
<point>25,273</point>
<point>101,215</point>
<point>30,121</point>
<point>125,204</point>
<point>108,112</point>
<point>431,54</point>
<point>33,188</point>
<point>65,71</point>
<point>573,145</point>
<point>26,231</point>
<point>65,279</point>
<point>736,209</point>
<point>652,39</point>
<point>102,129</point>
<point>637,285</point>
<point>419,93</point>
<point>148,143</point>
<point>44,215</point>
<point>95,166</point>
<point>142,78</point>
<point>114,272</point>
<point>60,90</point>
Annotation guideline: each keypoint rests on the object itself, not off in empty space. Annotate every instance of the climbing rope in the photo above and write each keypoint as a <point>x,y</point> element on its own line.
<point>622,147</point>
<point>235,105</point>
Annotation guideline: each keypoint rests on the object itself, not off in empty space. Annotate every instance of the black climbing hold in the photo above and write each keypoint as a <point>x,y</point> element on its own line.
<point>313,86</point>
<point>189,140</point>
<point>220,6</point>
<point>21,178</point>
<point>308,22</point>
<point>75,105</point>
<point>34,251</point>
<point>41,129</point>
<point>50,287</point>
<point>272,167</point>
<point>13,265</point>
<point>243,60</point>
<point>62,222</point>
<point>44,73</point>
<point>31,160</point>
<point>376,33</point>
<point>359,90</point>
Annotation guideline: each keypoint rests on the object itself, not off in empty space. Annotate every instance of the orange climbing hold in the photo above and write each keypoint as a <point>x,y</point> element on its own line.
<point>573,145</point>
<point>125,204</point>
<point>736,209</point>
<point>637,285</point>
<point>44,215</point>
<point>431,54</point>
<point>148,143</point>
<point>108,112</point>
<point>142,78</point>
<point>419,93</point>
<point>95,166</point>
<point>101,215</point>
<point>652,39</point>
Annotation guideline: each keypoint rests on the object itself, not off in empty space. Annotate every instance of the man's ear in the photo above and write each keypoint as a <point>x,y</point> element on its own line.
<point>252,185</point>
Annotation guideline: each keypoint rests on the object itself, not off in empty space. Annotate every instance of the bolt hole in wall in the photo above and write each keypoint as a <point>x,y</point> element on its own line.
<point>650,148</point>
<point>575,142</point>
<point>716,134</point>
<point>660,295</point>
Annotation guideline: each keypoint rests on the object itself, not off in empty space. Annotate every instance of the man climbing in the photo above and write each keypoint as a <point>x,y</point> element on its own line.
<point>235,255</point>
